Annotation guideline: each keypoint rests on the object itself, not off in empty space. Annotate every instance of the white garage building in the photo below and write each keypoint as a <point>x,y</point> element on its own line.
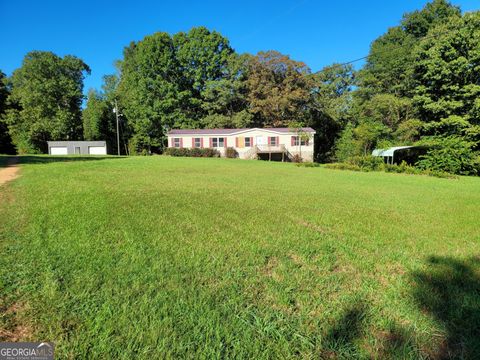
<point>77,148</point>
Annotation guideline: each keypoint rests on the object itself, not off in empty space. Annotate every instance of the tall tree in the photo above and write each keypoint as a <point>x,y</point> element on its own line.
<point>278,89</point>
<point>6,146</point>
<point>225,99</point>
<point>99,119</point>
<point>206,64</point>
<point>165,82</point>
<point>419,22</point>
<point>446,70</point>
<point>46,98</point>
<point>389,65</point>
<point>330,106</point>
<point>149,90</point>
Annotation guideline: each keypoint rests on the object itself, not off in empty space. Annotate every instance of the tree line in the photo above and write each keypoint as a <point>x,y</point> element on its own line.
<point>419,85</point>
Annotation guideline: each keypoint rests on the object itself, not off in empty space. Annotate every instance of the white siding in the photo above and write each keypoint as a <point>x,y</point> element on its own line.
<point>259,136</point>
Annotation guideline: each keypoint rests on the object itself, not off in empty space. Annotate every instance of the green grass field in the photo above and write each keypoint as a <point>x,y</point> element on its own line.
<point>157,257</point>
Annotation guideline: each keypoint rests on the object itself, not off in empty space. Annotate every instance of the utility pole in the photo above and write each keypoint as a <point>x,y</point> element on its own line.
<point>118,133</point>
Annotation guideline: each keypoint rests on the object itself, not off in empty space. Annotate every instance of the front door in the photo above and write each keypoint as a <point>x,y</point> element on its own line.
<point>260,140</point>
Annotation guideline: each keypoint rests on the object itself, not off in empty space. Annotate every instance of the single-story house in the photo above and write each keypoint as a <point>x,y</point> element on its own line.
<point>250,143</point>
<point>77,147</point>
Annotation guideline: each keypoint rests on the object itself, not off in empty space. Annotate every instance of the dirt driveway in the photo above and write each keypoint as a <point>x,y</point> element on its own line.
<point>9,172</point>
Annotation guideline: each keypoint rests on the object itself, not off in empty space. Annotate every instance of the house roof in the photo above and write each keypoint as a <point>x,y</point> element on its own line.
<point>233,131</point>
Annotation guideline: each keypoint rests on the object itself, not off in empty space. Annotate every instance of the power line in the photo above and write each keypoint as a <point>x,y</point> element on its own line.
<point>380,52</point>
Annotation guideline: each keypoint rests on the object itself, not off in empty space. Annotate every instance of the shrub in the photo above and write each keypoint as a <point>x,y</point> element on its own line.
<point>297,158</point>
<point>231,153</point>
<point>367,163</point>
<point>343,166</point>
<point>403,168</point>
<point>452,155</point>
<point>308,164</point>
<point>194,152</point>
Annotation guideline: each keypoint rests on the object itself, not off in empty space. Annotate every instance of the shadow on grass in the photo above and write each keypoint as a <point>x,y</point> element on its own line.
<point>346,337</point>
<point>45,159</point>
<point>449,291</point>
<point>348,328</point>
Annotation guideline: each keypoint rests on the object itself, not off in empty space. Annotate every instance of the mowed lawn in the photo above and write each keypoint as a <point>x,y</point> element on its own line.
<point>158,257</point>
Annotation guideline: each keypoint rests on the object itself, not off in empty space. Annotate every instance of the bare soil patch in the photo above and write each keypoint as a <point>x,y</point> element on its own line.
<point>10,172</point>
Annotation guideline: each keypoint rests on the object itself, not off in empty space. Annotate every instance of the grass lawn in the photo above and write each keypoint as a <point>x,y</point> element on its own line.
<point>151,257</point>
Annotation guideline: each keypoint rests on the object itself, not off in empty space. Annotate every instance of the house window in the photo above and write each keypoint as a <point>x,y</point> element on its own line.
<point>197,142</point>
<point>176,142</point>
<point>248,142</point>
<point>218,142</point>
<point>273,141</point>
<point>296,141</point>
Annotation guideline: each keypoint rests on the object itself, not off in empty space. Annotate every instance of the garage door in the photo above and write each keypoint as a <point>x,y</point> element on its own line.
<point>97,150</point>
<point>58,150</point>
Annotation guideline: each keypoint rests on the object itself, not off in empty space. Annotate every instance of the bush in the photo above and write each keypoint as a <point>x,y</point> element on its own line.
<point>343,166</point>
<point>297,158</point>
<point>403,168</point>
<point>231,153</point>
<point>451,154</point>
<point>308,164</point>
<point>194,152</point>
<point>367,163</point>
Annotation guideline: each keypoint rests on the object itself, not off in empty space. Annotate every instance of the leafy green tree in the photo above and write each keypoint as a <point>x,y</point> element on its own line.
<point>6,146</point>
<point>389,67</point>
<point>452,154</point>
<point>45,101</point>
<point>149,90</point>
<point>225,99</point>
<point>408,132</point>
<point>446,70</point>
<point>278,89</point>
<point>420,83</point>
<point>202,56</point>
<point>345,146</point>
<point>330,106</point>
<point>165,83</point>
<point>368,133</point>
<point>419,22</point>
<point>241,119</point>
<point>389,109</point>
<point>99,119</point>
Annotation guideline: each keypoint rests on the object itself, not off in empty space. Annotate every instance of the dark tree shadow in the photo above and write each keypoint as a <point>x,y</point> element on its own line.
<point>348,328</point>
<point>449,290</point>
<point>354,324</point>
<point>46,159</point>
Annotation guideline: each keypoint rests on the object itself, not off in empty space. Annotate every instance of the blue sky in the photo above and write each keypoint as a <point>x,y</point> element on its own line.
<point>316,32</point>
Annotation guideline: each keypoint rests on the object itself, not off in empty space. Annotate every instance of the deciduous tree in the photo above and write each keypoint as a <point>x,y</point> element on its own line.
<point>278,89</point>
<point>45,100</point>
<point>6,146</point>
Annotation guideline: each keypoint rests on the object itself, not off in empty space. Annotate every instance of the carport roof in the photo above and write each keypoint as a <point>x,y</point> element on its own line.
<point>390,151</point>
